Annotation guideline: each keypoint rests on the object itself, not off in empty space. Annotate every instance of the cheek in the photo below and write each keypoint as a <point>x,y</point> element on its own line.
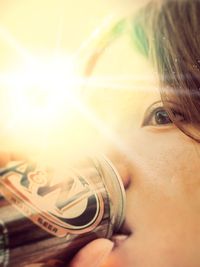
<point>168,172</point>
<point>168,158</point>
<point>163,200</point>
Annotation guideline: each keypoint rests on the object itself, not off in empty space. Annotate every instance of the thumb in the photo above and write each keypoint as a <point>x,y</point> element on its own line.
<point>93,254</point>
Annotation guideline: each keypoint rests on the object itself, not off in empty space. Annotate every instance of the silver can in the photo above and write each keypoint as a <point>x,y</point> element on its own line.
<point>48,213</point>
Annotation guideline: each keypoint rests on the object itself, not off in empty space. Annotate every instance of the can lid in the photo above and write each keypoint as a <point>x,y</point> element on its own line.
<point>115,189</point>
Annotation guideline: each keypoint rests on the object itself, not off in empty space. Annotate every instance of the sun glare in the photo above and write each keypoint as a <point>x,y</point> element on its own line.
<point>43,108</point>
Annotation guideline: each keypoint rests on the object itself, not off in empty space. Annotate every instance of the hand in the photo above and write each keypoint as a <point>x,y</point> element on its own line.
<point>93,254</point>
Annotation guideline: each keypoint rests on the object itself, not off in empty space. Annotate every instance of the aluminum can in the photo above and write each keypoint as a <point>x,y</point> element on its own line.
<point>47,213</point>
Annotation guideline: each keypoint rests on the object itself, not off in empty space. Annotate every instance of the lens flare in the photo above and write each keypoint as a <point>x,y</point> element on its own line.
<point>43,108</point>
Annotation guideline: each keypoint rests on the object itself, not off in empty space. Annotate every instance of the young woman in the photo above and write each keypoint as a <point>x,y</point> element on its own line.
<point>156,115</point>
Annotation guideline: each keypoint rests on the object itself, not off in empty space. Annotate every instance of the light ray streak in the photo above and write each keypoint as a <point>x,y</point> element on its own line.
<point>118,87</point>
<point>123,77</point>
<point>130,84</point>
<point>95,37</point>
<point>108,133</point>
<point>12,42</point>
<point>61,20</point>
<point>120,84</point>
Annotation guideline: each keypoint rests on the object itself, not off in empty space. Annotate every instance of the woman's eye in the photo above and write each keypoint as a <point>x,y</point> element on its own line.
<point>159,116</point>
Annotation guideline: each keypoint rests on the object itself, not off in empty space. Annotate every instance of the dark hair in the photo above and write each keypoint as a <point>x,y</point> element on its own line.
<point>168,33</point>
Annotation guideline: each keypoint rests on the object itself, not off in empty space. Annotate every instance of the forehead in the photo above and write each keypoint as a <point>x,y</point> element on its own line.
<point>124,81</point>
<point>122,60</point>
<point>122,66</point>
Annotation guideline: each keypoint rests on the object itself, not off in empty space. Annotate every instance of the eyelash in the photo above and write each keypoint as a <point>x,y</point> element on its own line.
<point>151,119</point>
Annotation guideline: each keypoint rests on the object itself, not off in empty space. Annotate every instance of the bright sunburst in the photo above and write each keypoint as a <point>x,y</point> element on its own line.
<point>43,98</point>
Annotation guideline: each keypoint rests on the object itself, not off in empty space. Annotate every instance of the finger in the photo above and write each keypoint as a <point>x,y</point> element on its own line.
<point>93,255</point>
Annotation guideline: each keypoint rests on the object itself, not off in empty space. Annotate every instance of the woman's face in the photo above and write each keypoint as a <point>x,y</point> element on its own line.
<point>158,163</point>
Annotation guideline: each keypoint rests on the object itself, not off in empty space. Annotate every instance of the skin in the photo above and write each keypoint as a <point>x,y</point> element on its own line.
<point>160,168</point>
